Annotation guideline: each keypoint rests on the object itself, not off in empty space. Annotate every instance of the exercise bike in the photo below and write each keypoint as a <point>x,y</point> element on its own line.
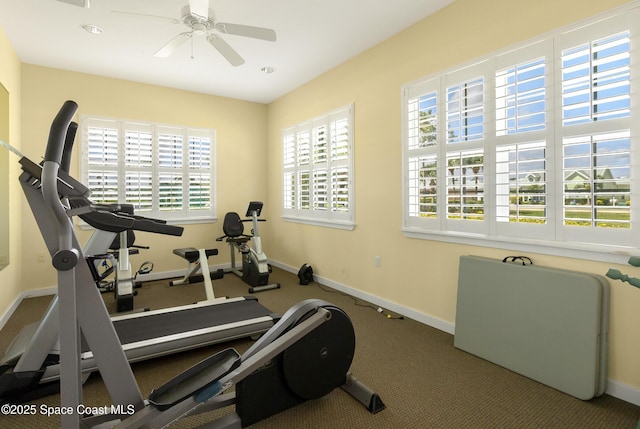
<point>104,261</point>
<point>255,264</point>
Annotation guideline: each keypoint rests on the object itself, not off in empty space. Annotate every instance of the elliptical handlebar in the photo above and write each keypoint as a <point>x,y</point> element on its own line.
<point>58,132</point>
<point>67,256</point>
<point>65,161</point>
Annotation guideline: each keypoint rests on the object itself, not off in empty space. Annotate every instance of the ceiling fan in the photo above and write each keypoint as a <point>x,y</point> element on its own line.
<point>201,21</point>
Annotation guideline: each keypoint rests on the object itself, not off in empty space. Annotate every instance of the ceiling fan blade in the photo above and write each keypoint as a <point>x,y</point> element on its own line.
<point>144,15</point>
<point>173,44</point>
<point>81,3</point>
<point>246,31</point>
<point>226,50</point>
<point>199,8</point>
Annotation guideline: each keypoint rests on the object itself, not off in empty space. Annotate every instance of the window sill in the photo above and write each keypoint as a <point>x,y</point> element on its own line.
<point>344,225</point>
<point>592,252</point>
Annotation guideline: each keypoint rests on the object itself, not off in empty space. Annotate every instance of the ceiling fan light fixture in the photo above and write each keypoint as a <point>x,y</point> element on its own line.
<point>92,29</point>
<point>199,28</point>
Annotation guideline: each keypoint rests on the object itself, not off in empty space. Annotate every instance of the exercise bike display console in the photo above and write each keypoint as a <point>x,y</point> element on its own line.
<point>255,264</point>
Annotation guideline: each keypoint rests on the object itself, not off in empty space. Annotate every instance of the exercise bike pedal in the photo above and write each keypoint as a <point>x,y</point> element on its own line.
<point>199,380</point>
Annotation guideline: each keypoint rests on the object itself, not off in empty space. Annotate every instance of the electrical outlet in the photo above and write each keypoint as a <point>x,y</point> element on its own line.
<point>377,261</point>
<point>41,257</point>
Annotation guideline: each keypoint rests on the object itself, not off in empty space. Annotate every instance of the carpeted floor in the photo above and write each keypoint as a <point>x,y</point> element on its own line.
<point>424,381</point>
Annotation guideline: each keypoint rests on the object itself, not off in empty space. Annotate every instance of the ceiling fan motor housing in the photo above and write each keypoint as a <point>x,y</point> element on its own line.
<point>200,25</point>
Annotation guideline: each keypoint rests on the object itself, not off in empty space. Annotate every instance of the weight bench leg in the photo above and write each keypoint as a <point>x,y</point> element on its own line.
<point>204,263</point>
<point>201,265</point>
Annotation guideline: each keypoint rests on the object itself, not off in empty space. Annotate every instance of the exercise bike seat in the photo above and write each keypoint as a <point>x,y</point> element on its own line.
<point>233,229</point>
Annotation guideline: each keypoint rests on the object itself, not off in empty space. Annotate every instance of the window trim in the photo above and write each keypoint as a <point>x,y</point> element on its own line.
<point>489,237</point>
<point>185,215</point>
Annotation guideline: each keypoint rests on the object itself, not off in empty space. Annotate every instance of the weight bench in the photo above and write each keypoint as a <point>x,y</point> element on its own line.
<point>197,260</point>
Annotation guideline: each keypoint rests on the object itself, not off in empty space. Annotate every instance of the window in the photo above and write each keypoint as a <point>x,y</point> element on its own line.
<point>531,144</point>
<point>318,170</point>
<point>166,172</point>
<point>596,143</point>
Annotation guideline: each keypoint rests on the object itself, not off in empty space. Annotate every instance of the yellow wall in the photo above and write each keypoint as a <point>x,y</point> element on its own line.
<point>418,274</point>
<point>10,79</point>
<point>241,150</point>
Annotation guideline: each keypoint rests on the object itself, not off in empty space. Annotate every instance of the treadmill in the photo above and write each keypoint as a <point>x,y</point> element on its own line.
<point>30,367</point>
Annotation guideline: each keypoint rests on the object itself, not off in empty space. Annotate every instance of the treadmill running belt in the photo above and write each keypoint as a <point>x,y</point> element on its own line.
<point>182,321</point>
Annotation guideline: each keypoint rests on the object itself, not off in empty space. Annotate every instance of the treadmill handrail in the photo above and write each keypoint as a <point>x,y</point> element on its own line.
<point>107,220</point>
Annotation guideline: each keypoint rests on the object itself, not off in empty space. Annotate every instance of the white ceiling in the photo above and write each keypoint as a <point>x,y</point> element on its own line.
<point>313,36</point>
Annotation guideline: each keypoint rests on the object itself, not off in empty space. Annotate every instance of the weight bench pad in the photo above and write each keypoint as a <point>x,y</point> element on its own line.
<point>192,254</point>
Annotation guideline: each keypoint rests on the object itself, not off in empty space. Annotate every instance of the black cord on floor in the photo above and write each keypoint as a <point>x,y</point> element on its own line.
<point>359,303</point>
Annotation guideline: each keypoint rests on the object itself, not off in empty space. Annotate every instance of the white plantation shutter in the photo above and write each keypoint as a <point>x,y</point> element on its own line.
<point>102,144</point>
<point>138,164</point>
<point>318,170</point>
<point>321,189</point>
<point>533,144</point>
<point>595,80</point>
<point>200,178</point>
<point>463,161</point>
<point>465,185</point>
<point>423,186</point>
<point>423,137</point>
<point>288,165</point>
<point>521,183</point>
<point>465,111</point>
<point>139,190</point>
<point>171,150</point>
<point>523,98</point>
<point>102,148</point>
<point>597,130</point>
<point>340,165</point>
<point>164,171</point>
<point>104,184</point>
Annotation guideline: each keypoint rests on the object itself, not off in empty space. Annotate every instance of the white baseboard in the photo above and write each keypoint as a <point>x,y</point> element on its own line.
<point>614,388</point>
<point>434,322</point>
<point>623,391</point>
<point>26,294</point>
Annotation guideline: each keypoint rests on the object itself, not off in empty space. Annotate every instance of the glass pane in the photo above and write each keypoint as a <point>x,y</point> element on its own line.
<point>521,183</point>
<point>596,80</point>
<point>465,185</point>
<point>521,98</point>
<point>465,111</point>
<point>597,185</point>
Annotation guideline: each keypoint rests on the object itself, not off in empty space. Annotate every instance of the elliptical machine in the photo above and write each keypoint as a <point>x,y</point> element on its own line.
<point>255,265</point>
